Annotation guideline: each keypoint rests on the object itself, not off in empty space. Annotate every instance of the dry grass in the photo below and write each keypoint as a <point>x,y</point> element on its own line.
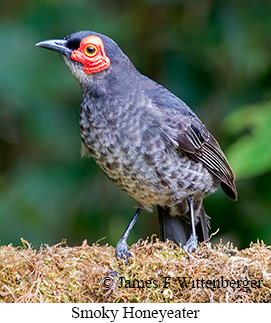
<point>77,274</point>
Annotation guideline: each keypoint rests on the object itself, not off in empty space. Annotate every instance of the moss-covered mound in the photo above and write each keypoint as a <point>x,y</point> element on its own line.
<point>156,272</point>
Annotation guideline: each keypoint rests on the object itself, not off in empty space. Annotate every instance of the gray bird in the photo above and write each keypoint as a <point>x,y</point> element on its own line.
<point>145,139</point>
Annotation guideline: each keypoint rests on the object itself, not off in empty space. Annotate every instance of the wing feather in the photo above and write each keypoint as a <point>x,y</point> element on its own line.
<point>193,137</point>
<point>195,140</point>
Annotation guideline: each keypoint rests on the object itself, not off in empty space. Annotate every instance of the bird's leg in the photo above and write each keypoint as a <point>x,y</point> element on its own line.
<point>121,247</point>
<point>192,242</point>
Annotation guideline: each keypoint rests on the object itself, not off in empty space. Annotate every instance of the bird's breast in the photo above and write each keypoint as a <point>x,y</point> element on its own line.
<point>136,155</point>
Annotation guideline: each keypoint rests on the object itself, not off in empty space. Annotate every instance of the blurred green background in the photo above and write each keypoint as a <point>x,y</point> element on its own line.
<point>215,55</point>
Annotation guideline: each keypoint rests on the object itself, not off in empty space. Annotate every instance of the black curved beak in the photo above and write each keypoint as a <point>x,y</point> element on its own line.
<point>58,45</point>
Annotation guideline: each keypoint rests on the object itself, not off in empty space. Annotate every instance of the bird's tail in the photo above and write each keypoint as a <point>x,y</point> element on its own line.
<point>178,228</point>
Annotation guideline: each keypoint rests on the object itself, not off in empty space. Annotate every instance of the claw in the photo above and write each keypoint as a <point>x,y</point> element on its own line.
<point>122,250</point>
<point>191,244</point>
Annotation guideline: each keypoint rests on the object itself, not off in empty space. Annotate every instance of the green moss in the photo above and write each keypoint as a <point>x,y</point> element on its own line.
<point>77,274</point>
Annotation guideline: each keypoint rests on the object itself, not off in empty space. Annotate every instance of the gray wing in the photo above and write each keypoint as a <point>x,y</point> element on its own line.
<point>195,140</point>
<point>193,137</point>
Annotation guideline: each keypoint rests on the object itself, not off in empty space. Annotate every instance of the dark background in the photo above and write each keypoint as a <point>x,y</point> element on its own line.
<point>215,55</point>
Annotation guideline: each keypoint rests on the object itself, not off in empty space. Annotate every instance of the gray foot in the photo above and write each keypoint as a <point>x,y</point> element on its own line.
<point>191,244</point>
<point>122,250</point>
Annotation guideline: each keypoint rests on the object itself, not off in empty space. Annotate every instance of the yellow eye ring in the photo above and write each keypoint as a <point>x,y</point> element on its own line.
<point>90,50</point>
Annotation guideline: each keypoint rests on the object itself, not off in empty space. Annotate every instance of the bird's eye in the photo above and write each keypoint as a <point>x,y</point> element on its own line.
<point>90,50</point>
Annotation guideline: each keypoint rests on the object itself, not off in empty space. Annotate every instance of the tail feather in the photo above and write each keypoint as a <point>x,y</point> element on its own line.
<point>178,230</point>
<point>204,226</point>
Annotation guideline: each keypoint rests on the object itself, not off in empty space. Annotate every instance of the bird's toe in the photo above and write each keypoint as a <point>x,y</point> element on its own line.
<point>122,250</point>
<point>191,245</point>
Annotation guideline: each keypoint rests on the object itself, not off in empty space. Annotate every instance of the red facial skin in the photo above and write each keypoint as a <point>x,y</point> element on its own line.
<point>93,63</point>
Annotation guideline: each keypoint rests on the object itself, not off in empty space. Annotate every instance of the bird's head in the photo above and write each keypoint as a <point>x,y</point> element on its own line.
<point>89,55</point>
